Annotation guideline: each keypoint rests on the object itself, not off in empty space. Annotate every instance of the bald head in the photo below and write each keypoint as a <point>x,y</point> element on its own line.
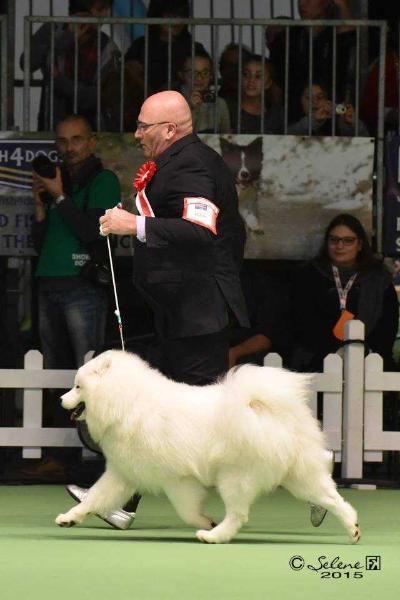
<point>164,119</point>
<point>170,106</point>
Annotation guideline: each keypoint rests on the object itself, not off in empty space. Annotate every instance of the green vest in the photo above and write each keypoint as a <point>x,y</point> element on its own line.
<point>62,254</point>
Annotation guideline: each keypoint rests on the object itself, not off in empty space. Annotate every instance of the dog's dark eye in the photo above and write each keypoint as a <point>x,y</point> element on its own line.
<point>78,387</point>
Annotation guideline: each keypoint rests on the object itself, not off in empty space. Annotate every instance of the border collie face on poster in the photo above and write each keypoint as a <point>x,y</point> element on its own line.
<point>245,163</point>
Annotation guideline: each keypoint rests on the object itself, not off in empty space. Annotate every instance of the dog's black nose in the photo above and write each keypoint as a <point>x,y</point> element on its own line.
<point>244,174</point>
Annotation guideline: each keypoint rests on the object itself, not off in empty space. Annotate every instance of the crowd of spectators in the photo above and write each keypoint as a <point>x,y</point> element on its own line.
<point>169,58</point>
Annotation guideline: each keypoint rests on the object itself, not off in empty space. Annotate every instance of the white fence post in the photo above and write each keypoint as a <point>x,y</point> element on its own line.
<point>353,401</point>
<point>331,381</point>
<point>33,403</point>
<point>272,359</point>
<point>376,382</point>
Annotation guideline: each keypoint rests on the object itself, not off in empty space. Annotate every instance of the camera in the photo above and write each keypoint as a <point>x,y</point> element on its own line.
<point>340,109</point>
<point>43,166</point>
<point>209,96</point>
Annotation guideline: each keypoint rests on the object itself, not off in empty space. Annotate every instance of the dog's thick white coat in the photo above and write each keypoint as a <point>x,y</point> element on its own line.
<point>245,435</point>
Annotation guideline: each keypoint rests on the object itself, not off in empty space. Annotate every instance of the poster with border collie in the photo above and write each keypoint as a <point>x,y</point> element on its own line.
<point>245,163</point>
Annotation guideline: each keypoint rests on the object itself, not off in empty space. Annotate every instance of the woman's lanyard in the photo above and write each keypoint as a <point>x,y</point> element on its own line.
<point>342,292</point>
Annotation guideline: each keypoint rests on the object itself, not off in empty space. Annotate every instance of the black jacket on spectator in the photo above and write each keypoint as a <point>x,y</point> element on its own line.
<point>316,309</point>
<point>273,120</point>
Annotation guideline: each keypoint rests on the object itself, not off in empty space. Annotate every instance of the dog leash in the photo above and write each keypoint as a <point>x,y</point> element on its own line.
<point>116,311</point>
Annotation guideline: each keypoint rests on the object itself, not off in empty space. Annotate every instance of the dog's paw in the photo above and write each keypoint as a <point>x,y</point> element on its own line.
<point>205,536</point>
<point>355,534</point>
<point>64,521</point>
<point>212,537</point>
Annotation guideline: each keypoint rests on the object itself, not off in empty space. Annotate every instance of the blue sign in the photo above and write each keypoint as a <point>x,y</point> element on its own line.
<point>16,158</point>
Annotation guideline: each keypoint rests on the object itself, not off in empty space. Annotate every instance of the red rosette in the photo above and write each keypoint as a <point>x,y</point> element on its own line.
<point>144,175</point>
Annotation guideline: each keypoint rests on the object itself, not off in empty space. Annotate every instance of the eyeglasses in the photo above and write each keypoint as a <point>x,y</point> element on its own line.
<point>346,241</point>
<point>145,126</point>
<point>203,74</point>
<point>76,140</point>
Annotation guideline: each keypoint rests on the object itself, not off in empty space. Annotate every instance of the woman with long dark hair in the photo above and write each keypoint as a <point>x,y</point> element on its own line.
<point>344,281</point>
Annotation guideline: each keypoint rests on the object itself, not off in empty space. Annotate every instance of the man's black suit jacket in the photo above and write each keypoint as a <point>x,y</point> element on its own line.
<point>189,274</point>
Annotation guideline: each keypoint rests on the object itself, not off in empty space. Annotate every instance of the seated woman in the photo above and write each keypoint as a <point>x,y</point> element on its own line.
<point>345,280</point>
<point>251,105</point>
<point>210,113</point>
<point>321,115</point>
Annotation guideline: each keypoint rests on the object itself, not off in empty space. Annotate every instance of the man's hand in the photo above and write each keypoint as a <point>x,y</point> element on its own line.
<point>196,99</point>
<point>349,116</point>
<point>119,221</point>
<point>38,189</point>
<point>53,186</point>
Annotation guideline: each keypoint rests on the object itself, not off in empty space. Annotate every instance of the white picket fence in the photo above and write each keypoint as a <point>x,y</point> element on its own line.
<point>352,388</point>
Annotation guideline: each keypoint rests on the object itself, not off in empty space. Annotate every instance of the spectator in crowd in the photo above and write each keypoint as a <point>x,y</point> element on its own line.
<point>229,70</point>
<point>344,281</point>
<point>63,70</point>
<point>158,46</point>
<point>71,308</point>
<point>321,115</point>
<point>268,309</point>
<point>369,102</point>
<point>322,44</point>
<point>209,112</point>
<point>252,106</point>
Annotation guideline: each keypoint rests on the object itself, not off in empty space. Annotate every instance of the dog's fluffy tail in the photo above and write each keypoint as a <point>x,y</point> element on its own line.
<point>270,388</point>
<point>267,403</point>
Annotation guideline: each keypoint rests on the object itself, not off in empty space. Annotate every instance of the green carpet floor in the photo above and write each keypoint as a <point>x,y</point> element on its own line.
<point>161,559</point>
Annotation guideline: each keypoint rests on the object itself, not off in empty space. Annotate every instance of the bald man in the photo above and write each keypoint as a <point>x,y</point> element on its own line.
<point>188,242</point>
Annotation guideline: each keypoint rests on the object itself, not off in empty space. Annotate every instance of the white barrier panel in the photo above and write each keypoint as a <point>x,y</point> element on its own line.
<point>352,390</point>
<point>32,436</point>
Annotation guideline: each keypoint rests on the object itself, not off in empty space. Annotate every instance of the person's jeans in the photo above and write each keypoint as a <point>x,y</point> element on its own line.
<point>71,322</point>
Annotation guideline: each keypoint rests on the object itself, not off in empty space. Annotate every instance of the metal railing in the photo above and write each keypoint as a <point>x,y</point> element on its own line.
<point>214,25</point>
<point>237,25</point>
<point>3,76</point>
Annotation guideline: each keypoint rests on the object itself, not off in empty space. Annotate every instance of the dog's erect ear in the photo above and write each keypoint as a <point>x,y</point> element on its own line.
<point>257,144</point>
<point>225,145</point>
<point>103,363</point>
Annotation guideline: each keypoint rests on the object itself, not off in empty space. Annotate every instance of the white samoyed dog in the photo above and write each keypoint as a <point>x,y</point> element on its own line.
<point>244,435</point>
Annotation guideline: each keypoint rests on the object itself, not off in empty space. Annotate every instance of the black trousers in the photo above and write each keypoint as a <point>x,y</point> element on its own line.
<point>196,360</point>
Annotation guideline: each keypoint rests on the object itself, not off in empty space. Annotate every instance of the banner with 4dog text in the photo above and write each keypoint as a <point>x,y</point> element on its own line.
<point>289,187</point>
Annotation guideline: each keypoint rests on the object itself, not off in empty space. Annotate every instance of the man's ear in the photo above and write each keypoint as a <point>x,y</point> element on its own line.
<point>171,131</point>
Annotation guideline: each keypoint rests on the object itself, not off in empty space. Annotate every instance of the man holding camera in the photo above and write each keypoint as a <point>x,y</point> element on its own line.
<point>209,112</point>
<point>72,307</point>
